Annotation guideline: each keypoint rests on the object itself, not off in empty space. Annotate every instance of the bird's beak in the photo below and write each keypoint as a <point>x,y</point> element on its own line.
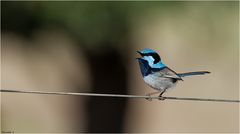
<point>138,52</point>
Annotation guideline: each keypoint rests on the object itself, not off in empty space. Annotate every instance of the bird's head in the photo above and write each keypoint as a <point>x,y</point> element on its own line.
<point>152,58</point>
<point>150,55</point>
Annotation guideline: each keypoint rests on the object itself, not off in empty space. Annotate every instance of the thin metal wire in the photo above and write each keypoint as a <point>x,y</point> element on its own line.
<point>119,95</point>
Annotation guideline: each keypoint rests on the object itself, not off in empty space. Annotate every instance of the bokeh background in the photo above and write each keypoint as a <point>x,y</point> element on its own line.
<point>90,47</point>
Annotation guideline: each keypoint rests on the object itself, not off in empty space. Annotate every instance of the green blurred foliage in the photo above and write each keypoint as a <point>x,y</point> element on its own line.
<point>92,23</point>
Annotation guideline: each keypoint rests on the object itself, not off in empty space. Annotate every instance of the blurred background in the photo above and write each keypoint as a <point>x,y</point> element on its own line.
<point>91,47</point>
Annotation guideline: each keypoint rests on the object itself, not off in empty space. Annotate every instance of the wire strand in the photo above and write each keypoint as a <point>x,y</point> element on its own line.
<point>120,96</point>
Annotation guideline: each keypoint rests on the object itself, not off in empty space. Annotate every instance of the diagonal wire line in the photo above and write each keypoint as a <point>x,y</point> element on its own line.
<point>119,96</point>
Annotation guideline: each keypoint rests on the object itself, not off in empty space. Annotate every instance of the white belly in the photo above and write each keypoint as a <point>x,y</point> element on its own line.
<point>159,83</point>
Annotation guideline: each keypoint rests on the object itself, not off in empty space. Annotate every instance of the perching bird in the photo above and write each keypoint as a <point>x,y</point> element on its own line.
<point>157,75</point>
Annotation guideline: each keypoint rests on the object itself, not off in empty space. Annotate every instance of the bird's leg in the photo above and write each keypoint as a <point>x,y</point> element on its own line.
<point>160,95</point>
<point>149,94</point>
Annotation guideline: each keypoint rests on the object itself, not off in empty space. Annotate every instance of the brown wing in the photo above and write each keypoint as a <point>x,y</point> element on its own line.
<point>168,73</point>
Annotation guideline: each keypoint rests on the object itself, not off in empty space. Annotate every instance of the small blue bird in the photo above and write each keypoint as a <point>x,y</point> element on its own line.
<point>157,75</point>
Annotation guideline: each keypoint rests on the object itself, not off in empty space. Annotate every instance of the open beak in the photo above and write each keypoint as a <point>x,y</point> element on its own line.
<point>139,53</point>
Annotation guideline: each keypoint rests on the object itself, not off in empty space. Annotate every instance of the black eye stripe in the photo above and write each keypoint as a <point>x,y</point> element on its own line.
<point>155,56</point>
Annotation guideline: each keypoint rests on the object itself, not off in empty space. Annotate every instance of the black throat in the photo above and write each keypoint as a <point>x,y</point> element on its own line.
<point>145,68</point>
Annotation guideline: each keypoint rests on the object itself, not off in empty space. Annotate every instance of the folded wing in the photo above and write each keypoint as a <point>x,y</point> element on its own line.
<point>168,73</point>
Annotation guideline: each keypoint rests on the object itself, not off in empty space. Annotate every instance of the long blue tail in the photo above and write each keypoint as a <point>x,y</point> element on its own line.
<point>193,73</point>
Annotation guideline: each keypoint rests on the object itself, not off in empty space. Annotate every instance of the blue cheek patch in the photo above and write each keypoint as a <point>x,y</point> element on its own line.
<point>150,61</point>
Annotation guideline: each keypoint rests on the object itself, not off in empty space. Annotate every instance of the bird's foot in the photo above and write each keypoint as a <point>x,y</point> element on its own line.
<point>149,98</point>
<point>161,97</point>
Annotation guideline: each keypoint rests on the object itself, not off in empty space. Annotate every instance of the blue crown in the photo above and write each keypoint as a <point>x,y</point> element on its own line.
<point>147,50</point>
